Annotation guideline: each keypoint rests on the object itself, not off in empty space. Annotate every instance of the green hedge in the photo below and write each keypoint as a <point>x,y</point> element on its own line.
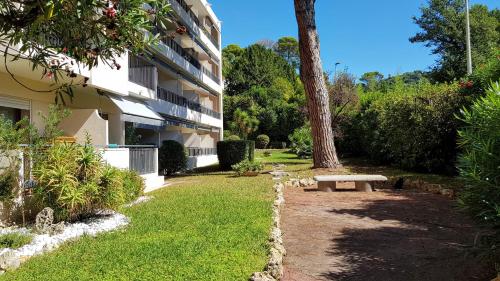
<point>413,127</point>
<point>234,151</point>
<point>172,157</point>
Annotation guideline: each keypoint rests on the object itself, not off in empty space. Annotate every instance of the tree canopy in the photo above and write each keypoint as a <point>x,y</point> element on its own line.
<point>443,29</point>
<point>264,85</point>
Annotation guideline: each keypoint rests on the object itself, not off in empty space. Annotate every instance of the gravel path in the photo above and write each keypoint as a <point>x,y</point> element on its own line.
<point>385,235</point>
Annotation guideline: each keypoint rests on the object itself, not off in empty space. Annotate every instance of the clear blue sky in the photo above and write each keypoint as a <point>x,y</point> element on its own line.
<point>363,35</point>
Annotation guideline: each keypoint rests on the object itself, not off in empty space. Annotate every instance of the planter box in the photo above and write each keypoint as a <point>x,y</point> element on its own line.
<point>250,174</point>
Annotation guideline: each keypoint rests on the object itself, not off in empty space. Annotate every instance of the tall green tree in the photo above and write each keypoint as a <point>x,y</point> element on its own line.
<point>257,66</point>
<point>288,48</point>
<point>371,80</point>
<point>311,73</point>
<point>230,55</point>
<point>90,32</point>
<point>443,30</point>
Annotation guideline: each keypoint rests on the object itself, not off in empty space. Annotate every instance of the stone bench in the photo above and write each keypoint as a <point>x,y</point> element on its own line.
<point>363,182</point>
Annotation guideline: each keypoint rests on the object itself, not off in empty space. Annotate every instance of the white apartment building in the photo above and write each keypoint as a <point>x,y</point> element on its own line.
<point>172,93</point>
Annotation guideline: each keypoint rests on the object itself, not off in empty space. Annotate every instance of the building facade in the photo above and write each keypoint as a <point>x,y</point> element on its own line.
<point>174,92</point>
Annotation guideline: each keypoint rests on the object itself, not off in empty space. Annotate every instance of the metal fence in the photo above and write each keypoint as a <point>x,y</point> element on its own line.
<point>201,151</point>
<point>142,159</point>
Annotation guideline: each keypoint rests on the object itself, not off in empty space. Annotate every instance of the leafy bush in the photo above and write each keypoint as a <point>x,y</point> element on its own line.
<point>14,240</point>
<point>172,157</point>
<point>9,182</point>
<point>73,180</point>
<point>411,126</point>
<point>301,142</point>
<point>133,185</point>
<point>234,152</point>
<point>232,138</point>
<point>479,163</point>
<point>247,166</point>
<point>262,141</point>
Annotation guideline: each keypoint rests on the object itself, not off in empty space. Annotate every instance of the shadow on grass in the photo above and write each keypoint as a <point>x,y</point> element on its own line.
<point>411,237</point>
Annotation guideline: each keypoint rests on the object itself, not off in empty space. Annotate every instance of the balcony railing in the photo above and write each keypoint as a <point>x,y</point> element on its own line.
<point>188,10</point>
<point>174,98</point>
<point>210,74</point>
<point>182,52</point>
<point>142,73</point>
<point>214,41</point>
<point>201,151</point>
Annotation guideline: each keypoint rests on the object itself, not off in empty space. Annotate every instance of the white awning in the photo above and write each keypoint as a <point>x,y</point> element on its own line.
<point>137,112</point>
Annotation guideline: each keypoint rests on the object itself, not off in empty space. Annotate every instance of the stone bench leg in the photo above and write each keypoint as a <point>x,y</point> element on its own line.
<point>327,186</point>
<point>363,186</point>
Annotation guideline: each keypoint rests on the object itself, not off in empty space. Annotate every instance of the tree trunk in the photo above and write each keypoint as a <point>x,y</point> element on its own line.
<point>311,73</point>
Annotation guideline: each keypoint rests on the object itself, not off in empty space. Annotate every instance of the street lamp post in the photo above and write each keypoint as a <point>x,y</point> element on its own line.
<point>467,35</point>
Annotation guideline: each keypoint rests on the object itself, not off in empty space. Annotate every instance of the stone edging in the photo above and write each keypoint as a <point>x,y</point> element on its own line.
<point>274,267</point>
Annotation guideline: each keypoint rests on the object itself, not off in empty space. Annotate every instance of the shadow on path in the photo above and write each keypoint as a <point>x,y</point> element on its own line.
<point>379,236</point>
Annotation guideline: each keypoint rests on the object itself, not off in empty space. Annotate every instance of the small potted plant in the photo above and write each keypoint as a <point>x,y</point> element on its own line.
<point>248,169</point>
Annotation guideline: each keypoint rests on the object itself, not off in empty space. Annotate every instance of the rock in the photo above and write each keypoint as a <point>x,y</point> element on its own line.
<point>434,188</point>
<point>9,260</point>
<point>57,228</point>
<point>275,265</point>
<point>279,174</point>
<point>261,276</point>
<point>448,192</point>
<point>44,220</point>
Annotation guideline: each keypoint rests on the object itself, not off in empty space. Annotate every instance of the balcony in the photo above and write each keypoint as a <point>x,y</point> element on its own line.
<point>184,11</point>
<point>182,52</point>
<point>142,72</point>
<point>174,98</point>
<point>210,74</point>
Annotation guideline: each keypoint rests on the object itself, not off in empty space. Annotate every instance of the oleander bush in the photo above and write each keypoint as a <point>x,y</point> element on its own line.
<point>230,153</point>
<point>262,141</point>
<point>172,157</point>
<point>479,162</point>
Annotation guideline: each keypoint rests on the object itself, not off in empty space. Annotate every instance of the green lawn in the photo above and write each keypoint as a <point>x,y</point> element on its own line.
<point>211,226</point>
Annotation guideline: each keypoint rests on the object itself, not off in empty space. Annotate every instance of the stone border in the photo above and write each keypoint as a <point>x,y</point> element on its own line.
<point>11,259</point>
<point>274,267</point>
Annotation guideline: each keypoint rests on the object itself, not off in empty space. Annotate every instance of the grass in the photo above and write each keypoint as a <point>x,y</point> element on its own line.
<point>211,226</point>
<point>14,240</point>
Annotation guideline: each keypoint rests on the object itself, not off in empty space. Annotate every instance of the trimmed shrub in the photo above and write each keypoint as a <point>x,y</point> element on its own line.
<point>251,150</point>
<point>172,157</point>
<point>133,185</point>
<point>232,138</point>
<point>234,152</point>
<point>262,141</point>
<point>479,163</point>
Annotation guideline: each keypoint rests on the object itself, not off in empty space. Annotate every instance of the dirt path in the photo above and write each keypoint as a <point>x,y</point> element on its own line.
<point>385,235</point>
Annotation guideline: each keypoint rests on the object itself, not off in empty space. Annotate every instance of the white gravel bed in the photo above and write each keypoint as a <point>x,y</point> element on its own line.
<point>42,243</point>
